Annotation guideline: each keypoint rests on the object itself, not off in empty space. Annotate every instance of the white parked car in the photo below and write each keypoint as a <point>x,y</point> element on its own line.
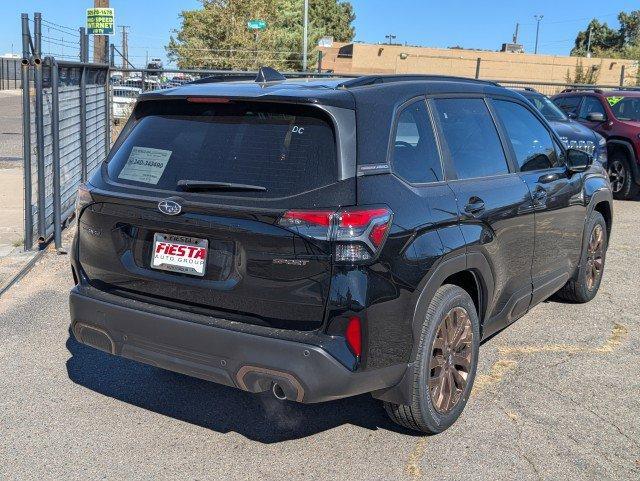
<point>124,98</point>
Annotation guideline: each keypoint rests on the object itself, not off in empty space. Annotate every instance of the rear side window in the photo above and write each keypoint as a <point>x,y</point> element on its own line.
<point>569,105</point>
<point>287,150</point>
<point>415,154</point>
<point>531,141</point>
<point>589,106</point>
<point>471,137</point>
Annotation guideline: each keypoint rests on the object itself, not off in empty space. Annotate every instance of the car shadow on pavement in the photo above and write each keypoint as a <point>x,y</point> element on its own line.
<point>259,417</point>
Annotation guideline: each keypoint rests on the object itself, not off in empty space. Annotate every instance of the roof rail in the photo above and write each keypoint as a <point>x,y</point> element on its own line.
<point>517,87</point>
<point>379,79</point>
<point>222,78</point>
<point>582,89</point>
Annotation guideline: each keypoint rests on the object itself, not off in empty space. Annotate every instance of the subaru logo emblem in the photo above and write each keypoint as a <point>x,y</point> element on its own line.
<point>169,207</point>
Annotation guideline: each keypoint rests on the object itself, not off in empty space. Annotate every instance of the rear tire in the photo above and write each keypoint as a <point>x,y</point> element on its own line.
<point>449,342</point>
<point>584,286</point>
<point>623,184</point>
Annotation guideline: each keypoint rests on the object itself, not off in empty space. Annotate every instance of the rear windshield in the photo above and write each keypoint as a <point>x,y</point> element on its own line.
<point>284,150</point>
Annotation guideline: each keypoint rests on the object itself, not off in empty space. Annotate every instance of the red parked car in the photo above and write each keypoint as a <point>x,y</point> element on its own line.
<point>614,114</point>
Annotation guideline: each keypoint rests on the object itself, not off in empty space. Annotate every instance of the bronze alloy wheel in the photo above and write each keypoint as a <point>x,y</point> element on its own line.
<point>450,363</point>
<point>617,175</point>
<point>595,251</point>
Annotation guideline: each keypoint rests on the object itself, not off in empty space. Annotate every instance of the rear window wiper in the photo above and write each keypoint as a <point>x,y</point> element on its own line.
<point>207,186</point>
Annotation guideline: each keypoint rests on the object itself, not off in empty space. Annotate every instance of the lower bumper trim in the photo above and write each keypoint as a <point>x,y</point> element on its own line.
<point>306,373</point>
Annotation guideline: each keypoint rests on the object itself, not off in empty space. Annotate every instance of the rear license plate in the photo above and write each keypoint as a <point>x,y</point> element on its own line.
<point>176,253</point>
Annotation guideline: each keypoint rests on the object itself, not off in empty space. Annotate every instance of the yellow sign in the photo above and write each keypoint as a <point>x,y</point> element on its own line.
<point>100,21</point>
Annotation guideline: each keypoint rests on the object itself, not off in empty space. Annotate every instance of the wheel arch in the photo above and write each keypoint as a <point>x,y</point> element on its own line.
<point>626,146</point>
<point>601,200</point>
<point>470,272</point>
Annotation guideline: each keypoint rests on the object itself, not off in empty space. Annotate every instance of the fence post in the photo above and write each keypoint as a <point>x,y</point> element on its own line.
<point>55,145</point>
<point>107,112</point>
<point>622,75</point>
<point>42,227</point>
<point>26,134</point>
<point>84,52</point>
<point>478,62</point>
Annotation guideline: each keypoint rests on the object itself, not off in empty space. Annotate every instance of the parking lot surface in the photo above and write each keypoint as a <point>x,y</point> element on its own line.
<point>557,397</point>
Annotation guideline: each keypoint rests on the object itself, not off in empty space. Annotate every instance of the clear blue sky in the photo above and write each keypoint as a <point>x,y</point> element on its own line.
<point>475,24</point>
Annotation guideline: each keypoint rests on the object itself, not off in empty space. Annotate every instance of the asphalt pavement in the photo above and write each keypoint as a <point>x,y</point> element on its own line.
<point>557,397</point>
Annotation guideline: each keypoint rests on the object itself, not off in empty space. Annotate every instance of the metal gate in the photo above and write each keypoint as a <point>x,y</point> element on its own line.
<point>66,114</point>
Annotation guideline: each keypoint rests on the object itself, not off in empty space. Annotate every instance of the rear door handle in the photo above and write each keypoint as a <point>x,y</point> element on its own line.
<point>475,206</point>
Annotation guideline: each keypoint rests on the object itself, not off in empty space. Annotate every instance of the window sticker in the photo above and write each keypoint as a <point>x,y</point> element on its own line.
<point>145,165</point>
<point>614,100</point>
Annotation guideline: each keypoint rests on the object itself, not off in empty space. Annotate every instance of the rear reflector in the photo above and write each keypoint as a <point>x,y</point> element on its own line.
<point>353,335</point>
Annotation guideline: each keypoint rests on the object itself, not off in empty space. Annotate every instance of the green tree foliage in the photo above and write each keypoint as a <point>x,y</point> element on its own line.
<point>608,42</point>
<point>217,37</point>
<point>582,75</point>
<point>603,38</point>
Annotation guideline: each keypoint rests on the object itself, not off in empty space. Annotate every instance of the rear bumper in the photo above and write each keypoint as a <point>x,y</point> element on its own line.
<point>305,372</point>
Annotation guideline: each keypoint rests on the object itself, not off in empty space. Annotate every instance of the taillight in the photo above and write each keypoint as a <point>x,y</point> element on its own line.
<point>359,233</point>
<point>353,335</point>
<point>208,100</point>
<point>83,198</point>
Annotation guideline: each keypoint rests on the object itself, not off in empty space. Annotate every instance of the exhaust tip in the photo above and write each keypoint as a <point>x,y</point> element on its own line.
<point>278,392</point>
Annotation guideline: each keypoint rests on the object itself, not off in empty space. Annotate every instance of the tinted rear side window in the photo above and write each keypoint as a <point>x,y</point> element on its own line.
<point>415,154</point>
<point>286,149</point>
<point>471,137</point>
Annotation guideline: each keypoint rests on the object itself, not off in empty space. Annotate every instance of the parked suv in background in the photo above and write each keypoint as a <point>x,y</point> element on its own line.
<point>330,237</point>
<point>615,114</point>
<point>572,133</point>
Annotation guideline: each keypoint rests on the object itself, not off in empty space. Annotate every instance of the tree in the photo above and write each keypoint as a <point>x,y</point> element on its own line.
<point>217,37</point>
<point>603,38</point>
<point>582,76</point>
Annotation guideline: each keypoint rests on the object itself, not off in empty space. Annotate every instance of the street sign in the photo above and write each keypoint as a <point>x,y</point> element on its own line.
<point>256,24</point>
<point>100,21</point>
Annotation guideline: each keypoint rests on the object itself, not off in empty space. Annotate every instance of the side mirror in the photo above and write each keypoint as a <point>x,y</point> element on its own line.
<point>578,161</point>
<point>572,115</point>
<point>595,117</point>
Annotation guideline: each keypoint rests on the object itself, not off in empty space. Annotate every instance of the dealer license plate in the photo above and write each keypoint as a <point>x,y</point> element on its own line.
<point>176,253</point>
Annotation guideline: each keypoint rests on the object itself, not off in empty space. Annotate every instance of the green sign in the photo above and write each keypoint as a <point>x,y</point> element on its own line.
<point>256,24</point>
<point>614,100</point>
<point>100,21</point>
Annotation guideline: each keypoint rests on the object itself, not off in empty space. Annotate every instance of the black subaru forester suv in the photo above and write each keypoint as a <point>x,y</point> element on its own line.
<point>330,237</point>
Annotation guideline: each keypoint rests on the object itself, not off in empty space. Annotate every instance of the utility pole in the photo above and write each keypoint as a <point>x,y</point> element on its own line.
<point>589,44</point>
<point>305,41</point>
<point>538,19</point>
<point>125,47</point>
<point>100,41</point>
<point>391,38</point>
